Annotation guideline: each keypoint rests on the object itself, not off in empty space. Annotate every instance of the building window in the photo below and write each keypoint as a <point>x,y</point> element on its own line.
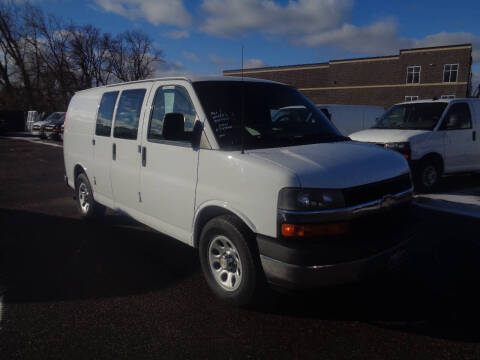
<point>450,73</point>
<point>448,97</point>
<point>410,98</point>
<point>413,74</point>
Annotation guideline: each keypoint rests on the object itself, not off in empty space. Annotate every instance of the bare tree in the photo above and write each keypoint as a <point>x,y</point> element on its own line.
<point>90,54</point>
<point>133,56</point>
<point>43,60</point>
<point>15,49</point>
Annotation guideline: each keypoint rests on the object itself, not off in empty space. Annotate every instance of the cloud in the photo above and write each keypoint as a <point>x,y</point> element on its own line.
<point>170,69</point>
<point>253,63</point>
<point>177,34</point>
<point>221,62</point>
<point>230,17</point>
<point>382,38</point>
<point>173,69</point>
<point>171,12</point>
<point>378,38</point>
<point>444,38</point>
<point>319,23</point>
<point>191,56</point>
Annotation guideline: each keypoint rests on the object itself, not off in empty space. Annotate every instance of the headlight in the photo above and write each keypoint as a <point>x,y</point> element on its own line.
<point>310,199</point>
<point>401,147</point>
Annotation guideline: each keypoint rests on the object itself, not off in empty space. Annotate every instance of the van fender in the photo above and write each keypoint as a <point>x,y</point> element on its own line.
<point>211,209</point>
<point>77,169</point>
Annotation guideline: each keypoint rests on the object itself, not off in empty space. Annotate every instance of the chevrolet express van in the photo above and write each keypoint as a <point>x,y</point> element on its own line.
<point>436,136</point>
<point>266,195</point>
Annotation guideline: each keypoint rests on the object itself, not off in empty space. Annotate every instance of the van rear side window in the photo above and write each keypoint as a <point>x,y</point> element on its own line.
<point>128,114</point>
<point>105,114</point>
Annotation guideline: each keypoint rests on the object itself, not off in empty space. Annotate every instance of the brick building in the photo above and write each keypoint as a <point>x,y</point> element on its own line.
<point>421,73</point>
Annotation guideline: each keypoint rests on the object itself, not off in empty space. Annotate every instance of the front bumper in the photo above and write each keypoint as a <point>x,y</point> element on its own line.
<point>303,277</point>
<point>374,242</point>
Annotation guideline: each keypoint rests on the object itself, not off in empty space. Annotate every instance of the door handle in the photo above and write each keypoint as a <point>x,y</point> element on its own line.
<point>114,151</point>
<point>474,135</point>
<point>144,156</point>
<point>93,142</point>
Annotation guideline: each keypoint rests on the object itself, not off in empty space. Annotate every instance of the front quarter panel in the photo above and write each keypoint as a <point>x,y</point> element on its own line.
<point>243,184</point>
<point>428,143</point>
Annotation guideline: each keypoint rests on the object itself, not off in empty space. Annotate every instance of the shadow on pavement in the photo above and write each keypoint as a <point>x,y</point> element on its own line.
<point>50,258</point>
<point>435,292</point>
<point>458,182</point>
<point>46,258</point>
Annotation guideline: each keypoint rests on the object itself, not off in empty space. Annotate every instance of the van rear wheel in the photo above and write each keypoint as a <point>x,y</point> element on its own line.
<point>87,206</point>
<point>230,261</point>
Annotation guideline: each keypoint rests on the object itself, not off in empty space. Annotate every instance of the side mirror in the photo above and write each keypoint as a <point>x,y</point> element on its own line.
<point>174,127</point>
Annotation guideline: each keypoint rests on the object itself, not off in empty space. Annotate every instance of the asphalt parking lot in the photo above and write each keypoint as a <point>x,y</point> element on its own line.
<point>117,289</point>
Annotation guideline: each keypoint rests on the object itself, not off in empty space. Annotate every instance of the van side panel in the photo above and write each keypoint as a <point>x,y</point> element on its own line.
<point>78,133</point>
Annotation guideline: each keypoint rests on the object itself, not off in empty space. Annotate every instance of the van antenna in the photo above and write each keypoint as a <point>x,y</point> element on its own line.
<point>242,120</point>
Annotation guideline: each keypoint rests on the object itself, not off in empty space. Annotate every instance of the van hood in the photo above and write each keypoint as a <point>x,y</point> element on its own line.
<point>383,136</point>
<point>336,165</point>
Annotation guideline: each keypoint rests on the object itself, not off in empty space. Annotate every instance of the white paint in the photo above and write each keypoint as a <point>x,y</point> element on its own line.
<point>459,149</point>
<point>179,181</point>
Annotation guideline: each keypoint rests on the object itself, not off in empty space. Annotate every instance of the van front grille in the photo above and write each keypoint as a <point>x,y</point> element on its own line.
<point>375,191</point>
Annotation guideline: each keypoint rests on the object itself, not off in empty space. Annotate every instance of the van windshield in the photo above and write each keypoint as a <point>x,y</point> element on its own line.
<point>416,116</point>
<point>274,115</point>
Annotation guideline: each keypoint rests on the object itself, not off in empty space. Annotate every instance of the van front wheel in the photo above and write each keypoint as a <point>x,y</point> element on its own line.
<point>86,205</point>
<point>427,176</point>
<point>230,260</point>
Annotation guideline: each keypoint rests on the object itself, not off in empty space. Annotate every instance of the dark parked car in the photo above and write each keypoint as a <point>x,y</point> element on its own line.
<point>38,127</point>
<point>53,129</point>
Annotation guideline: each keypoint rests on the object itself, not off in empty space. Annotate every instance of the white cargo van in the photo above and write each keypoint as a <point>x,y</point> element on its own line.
<point>352,118</point>
<point>436,136</point>
<point>266,195</point>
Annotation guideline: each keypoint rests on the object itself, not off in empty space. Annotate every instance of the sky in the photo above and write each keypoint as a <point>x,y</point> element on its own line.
<point>206,36</point>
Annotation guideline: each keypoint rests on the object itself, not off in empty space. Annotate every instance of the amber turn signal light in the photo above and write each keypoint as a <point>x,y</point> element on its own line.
<point>291,230</point>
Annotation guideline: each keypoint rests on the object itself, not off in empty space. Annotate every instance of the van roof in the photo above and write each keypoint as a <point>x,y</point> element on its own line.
<point>192,79</point>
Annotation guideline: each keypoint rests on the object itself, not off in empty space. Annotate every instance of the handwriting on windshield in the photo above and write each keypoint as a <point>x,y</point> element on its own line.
<point>222,122</point>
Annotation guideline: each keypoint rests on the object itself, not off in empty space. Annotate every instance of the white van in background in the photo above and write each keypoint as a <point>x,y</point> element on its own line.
<point>266,191</point>
<point>351,118</point>
<point>436,136</point>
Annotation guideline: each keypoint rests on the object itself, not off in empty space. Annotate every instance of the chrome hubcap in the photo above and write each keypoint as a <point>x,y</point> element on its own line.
<point>430,176</point>
<point>225,263</point>
<point>83,197</point>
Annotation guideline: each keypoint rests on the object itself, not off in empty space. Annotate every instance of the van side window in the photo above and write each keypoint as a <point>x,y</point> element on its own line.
<point>105,114</point>
<point>128,114</point>
<point>170,99</point>
<point>458,118</point>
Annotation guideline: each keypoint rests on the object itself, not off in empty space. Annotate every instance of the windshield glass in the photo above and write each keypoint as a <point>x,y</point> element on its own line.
<point>416,116</point>
<point>274,115</point>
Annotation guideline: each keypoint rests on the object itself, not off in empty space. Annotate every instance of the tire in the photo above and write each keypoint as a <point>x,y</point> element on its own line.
<point>86,205</point>
<point>232,271</point>
<point>427,175</point>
